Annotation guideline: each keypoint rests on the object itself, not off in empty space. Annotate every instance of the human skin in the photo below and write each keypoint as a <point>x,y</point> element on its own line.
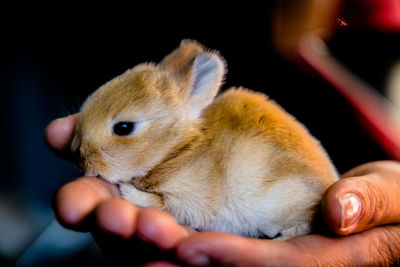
<point>361,211</point>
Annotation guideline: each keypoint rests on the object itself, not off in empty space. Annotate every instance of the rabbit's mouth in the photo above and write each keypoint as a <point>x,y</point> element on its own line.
<point>97,175</point>
<point>94,174</point>
<point>116,177</point>
<point>101,177</point>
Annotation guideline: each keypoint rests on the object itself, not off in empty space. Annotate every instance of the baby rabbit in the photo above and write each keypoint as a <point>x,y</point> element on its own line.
<point>236,163</point>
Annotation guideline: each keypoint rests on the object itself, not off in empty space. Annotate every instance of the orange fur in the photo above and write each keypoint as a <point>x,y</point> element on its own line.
<point>249,114</point>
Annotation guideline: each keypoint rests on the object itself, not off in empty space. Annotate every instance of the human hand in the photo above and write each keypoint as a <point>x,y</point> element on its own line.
<point>91,204</point>
<point>375,221</point>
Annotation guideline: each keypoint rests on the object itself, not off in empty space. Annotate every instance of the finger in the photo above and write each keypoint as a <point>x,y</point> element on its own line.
<point>207,249</point>
<point>59,134</point>
<point>160,229</point>
<point>379,246</point>
<point>75,201</point>
<point>368,196</point>
<point>123,229</point>
<point>117,217</point>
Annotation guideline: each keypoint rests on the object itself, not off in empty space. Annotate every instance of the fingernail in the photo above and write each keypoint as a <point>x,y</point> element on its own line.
<point>350,205</point>
<point>196,258</point>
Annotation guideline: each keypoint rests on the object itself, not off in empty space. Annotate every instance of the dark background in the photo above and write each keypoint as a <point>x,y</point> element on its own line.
<point>51,58</point>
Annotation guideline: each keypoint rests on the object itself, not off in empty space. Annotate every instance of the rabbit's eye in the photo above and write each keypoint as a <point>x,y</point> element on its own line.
<point>123,128</point>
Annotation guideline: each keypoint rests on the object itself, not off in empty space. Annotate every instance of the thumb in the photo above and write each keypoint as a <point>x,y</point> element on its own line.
<point>366,196</point>
<point>59,134</point>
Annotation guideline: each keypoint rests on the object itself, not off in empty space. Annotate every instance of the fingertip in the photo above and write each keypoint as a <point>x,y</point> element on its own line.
<point>159,228</point>
<point>118,217</point>
<point>59,133</point>
<point>331,209</point>
<point>194,250</point>
<point>200,249</point>
<point>75,201</point>
<point>343,207</point>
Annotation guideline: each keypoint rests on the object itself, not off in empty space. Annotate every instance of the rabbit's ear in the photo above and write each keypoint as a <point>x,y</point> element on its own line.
<point>181,56</point>
<point>198,72</point>
<point>206,74</point>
